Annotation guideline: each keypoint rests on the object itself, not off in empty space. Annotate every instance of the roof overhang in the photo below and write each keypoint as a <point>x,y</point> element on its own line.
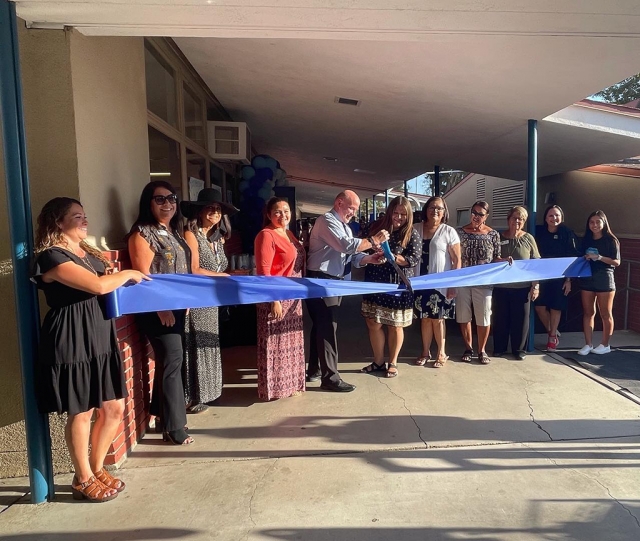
<point>447,82</point>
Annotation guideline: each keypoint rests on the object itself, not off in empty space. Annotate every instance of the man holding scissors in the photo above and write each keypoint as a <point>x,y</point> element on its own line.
<point>332,250</point>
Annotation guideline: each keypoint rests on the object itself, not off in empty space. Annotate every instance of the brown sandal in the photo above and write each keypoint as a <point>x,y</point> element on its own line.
<point>109,480</point>
<point>91,490</point>
<point>440,361</point>
<point>421,361</point>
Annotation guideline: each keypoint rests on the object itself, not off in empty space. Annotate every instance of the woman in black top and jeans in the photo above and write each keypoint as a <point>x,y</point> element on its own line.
<point>601,247</point>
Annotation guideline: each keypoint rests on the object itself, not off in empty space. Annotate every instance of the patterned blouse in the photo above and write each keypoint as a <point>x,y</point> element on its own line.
<point>212,256</point>
<point>385,273</point>
<point>171,252</point>
<point>478,249</point>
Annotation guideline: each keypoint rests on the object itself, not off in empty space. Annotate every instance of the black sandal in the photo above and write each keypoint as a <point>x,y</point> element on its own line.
<point>393,367</point>
<point>483,358</point>
<point>373,367</point>
<point>467,355</point>
<point>177,437</point>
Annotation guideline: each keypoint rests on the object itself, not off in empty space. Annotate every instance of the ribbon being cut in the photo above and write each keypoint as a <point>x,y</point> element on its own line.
<point>181,291</point>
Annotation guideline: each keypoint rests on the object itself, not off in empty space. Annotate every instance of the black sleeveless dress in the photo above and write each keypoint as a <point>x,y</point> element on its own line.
<point>79,365</point>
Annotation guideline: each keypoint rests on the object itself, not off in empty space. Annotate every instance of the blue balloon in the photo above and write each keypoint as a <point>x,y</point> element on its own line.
<point>259,162</point>
<point>244,185</point>
<point>271,163</point>
<point>264,173</point>
<point>248,172</point>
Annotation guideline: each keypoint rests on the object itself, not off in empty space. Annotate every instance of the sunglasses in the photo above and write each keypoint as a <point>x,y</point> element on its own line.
<point>160,199</point>
<point>476,213</point>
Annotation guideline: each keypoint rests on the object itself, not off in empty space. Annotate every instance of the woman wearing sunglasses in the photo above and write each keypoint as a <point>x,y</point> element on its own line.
<point>479,245</point>
<point>207,228</point>
<point>156,246</point>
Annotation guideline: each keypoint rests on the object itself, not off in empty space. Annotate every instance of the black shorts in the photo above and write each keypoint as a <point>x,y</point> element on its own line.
<point>552,295</point>
<point>601,282</point>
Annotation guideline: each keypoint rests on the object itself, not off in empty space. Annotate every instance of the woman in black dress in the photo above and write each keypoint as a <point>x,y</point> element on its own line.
<point>156,246</point>
<point>79,370</point>
<point>602,249</point>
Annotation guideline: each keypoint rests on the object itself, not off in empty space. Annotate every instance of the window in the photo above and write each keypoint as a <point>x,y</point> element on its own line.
<point>196,166</point>
<point>217,175</point>
<point>164,158</point>
<point>161,86</point>
<point>463,217</point>
<point>193,116</point>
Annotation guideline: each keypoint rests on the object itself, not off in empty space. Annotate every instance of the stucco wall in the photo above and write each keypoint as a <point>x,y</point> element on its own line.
<point>86,128</point>
<point>579,193</point>
<point>110,110</point>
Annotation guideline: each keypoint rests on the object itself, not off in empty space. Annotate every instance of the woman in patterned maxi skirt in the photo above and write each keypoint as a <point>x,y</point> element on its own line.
<point>207,229</point>
<point>281,362</point>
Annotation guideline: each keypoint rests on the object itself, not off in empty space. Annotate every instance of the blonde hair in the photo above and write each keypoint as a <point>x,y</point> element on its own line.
<point>518,210</point>
<point>48,232</point>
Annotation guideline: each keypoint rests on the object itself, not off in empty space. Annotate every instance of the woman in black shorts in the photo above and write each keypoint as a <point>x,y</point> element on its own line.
<point>554,239</point>
<point>601,247</point>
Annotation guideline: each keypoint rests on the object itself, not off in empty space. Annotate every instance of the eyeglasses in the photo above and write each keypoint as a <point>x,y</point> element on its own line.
<point>437,209</point>
<point>160,199</point>
<point>399,215</point>
<point>476,213</point>
<point>215,210</point>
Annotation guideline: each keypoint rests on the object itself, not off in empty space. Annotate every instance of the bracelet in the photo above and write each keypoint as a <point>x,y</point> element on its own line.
<point>370,239</point>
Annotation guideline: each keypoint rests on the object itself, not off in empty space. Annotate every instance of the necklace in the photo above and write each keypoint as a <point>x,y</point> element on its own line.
<point>87,263</point>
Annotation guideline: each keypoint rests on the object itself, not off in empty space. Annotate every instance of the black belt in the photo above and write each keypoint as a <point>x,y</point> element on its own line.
<point>322,275</point>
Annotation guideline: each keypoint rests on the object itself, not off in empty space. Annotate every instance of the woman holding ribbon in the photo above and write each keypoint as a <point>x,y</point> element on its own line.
<point>602,249</point>
<point>512,302</point>
<point>554,239</point>
<point>479,245</point>
<point>393,311</point>
<point>79,369</point>
<point>281,362</point>
<point>207,229</point>
<point>156,246</point>
<point>440,252</point>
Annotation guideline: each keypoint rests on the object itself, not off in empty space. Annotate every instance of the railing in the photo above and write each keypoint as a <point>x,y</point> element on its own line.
<point>627,289</point>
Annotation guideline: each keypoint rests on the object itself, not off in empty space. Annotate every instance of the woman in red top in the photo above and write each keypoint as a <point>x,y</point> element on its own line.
<point>281,368</point>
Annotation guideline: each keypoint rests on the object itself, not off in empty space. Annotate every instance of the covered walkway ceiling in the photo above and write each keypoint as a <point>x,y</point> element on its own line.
<point>447,82</point>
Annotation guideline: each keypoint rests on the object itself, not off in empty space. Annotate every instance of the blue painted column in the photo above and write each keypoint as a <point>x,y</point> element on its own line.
<point>373,202</point>
<point>532,198</point>
<point>21,233</point>
<point>436,180</point>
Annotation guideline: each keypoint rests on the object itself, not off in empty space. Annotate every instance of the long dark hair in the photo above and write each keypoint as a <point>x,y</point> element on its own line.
<point>221,230</point>
<point>269,207</point>
<point>445,217</point>
<point>606,230</point>
<point>49,234</point>
<point>145,216</point>
<point>387,221</point>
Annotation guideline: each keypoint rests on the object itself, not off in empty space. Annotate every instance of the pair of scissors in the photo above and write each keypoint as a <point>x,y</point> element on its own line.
<point>386,250</point>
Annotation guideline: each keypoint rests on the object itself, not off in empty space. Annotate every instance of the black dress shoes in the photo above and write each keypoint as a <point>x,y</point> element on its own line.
<point>520,355</point>
<point>339,387</point>
<point>313,377</point>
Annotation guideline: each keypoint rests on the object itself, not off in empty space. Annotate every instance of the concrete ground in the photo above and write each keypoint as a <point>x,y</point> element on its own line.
<point>538,449</point>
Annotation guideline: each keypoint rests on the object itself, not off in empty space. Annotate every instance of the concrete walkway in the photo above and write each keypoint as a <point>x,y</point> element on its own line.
<point>527,450</point>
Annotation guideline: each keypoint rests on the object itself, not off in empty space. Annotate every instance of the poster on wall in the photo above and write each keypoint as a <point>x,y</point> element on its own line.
<point>195,185</point>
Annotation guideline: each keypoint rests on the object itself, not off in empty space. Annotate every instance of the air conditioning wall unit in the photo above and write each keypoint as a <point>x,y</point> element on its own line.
<point>229,141</point>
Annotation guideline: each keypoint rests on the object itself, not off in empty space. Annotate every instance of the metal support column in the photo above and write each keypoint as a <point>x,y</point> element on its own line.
<point>386,199</point>
<point>436,180</point>
<point>21,234</point>
<point>532,197</point>
<point>366,210</point>
<point>373,202</point>
<point>406,189</point>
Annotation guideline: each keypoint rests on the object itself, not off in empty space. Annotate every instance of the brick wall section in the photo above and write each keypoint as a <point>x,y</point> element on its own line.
<point>139,368</point>
<point>629,251</point>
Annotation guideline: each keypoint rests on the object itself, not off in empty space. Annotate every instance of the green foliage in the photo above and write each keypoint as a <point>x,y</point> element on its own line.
<point>447,182</point>
<point>622,92</point>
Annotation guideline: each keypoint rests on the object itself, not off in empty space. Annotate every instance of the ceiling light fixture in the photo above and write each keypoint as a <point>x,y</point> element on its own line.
<point>330,158</point>
<point>364,171</point>
<point>347,101</point>
<point>160,174</point>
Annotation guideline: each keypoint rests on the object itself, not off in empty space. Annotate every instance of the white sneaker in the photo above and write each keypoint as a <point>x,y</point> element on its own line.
<point>585,350</point>
<point>601,350</point>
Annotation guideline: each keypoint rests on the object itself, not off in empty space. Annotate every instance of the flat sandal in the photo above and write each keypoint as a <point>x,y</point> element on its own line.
<point>392,366</point>
<point>109,480</point>
<point>91,490</point>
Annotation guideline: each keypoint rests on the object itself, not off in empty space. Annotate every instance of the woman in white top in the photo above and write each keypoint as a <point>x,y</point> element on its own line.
<point>440,252</point>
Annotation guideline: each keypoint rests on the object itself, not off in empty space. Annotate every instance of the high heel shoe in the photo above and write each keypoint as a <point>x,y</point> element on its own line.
<point>177,437</point>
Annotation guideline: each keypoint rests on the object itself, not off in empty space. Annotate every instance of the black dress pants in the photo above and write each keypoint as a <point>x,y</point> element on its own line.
<point>167,398</point>
<point>323,348</point>
<point>511,308</point>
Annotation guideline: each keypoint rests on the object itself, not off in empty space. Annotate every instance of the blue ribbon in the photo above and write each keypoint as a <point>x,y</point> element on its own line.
<point>181,291</point>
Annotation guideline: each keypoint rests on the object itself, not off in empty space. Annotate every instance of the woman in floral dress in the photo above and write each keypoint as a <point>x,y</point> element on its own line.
<point>204,235</point>
<point>281,362</point>
<point>394,311</point>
